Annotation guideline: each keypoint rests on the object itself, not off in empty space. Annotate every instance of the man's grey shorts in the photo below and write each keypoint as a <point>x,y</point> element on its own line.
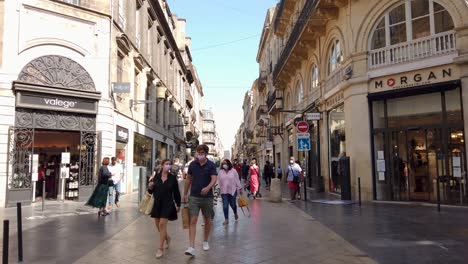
<point>197,203</point>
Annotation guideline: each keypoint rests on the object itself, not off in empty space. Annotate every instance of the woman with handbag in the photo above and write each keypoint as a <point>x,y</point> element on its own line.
<point>165,193</point>
<point>99,197</point>
<point>229,183</point>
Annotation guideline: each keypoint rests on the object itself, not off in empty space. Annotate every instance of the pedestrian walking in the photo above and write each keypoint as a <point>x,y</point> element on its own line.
<point>116,169</point>
<point>254,177</point>
<point>166,195</point>
<point>245,170</point>
<point>229,183</point>
<point>268,174</point>
<point>99,197</point>
<point>279,172</point>
<point>238,168</point>
<point>201,177</point>
<point>176,167</point>
<point>294,173</point>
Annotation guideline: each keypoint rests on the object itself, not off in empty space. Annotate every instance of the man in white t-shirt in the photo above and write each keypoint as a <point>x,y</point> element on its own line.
<point>115,168</point>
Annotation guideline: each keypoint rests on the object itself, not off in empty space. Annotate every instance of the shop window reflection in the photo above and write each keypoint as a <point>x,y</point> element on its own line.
<point>337,145</point>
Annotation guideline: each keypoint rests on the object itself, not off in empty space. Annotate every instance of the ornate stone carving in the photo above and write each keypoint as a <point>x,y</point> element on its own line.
<point>68,122</point>
<point>57,71</point>
<point>54,120</point>
<point>24,119</point>
<point>45,120</point>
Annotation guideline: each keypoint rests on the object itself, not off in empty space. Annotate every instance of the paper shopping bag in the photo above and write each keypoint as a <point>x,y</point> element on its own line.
<point>185,217</point>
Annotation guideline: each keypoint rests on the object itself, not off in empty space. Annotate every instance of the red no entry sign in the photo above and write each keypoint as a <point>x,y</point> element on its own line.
<point>302,127</point>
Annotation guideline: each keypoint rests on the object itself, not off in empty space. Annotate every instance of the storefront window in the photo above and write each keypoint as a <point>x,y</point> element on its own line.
<point>142,158</point>
<point>379,114</point>
<point>453,106</point>
<point>414,111</point>
<point>337,145</point>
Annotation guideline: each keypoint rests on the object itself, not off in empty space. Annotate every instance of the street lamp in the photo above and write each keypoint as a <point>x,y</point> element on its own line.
<point>186,123</point>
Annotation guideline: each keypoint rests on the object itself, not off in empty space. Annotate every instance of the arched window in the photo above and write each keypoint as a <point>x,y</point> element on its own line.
<point>300,91</point>
<point>335,57</point>
<point>411,20</point>
<point>314,78</point>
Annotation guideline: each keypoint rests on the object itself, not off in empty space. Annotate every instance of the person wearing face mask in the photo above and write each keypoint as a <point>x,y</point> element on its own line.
<point>167,201</point>
<point>294,174</point>
<point>201,177</point>
<point>229,183</point>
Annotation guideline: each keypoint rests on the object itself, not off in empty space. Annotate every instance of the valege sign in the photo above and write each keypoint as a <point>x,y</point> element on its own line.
<point>416,78</point>
<point>60,103</point>
<point>55,102</point>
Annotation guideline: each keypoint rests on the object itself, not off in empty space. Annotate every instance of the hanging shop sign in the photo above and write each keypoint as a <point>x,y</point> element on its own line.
<point>414,78</point>
<point>121,134</point>
<point>121,87</point>
<point>335,100</point>
<point>313,116</point>
<point>55,102</point>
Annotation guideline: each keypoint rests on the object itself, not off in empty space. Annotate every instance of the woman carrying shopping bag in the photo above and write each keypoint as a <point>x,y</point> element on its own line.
<point>229,183</point>
<point>166,203</point>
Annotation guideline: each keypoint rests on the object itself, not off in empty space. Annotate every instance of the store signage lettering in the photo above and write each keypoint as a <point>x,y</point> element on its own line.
<point>416,79</point>
<point>335,100</point>
<point>122,134</point>
<point>57,103</point>
<point>60,103</point>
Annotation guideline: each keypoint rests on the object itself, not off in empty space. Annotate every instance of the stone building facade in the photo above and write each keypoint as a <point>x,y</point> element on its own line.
<point>380,82</point>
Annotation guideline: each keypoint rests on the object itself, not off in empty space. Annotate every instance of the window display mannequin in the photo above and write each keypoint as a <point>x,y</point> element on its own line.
<point>52,169</point>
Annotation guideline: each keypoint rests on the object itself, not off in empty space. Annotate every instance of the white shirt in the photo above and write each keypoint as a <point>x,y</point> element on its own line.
<point>117,170</point>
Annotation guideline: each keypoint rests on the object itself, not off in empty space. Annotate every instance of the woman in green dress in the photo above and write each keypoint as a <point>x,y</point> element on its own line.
<point>99,197</point>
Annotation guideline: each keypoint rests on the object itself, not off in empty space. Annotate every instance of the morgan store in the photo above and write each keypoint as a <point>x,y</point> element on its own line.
<point>419,143</point>
<point>52,145</point>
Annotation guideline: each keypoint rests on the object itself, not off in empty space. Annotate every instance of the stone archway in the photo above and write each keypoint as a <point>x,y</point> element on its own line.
<point>57,71</point>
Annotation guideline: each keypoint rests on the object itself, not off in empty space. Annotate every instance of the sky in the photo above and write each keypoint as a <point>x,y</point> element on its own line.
<point>225,38</point>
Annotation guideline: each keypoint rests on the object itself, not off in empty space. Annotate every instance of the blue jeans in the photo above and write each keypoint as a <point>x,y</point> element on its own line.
<point>229,200</point>
<point>111,195</point>
<point>117,192</point>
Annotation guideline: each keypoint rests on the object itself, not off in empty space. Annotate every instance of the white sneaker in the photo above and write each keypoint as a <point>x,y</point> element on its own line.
<point>190,251</point>
<point>206,246</point>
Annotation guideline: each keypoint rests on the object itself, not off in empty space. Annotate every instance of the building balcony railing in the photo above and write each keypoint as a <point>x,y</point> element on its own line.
<point>262,80</point>
<point>188,97</point>
<point>439,44</point>
<point>275,100</point>
<point>301,23</point>
<point>262,111</point>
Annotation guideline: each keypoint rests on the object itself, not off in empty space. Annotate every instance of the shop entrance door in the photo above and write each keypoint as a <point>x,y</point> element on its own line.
<point>420,156</point>
<point>26,143</point>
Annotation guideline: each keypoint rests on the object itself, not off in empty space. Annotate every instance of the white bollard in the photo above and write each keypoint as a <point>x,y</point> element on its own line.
<point>275,191</point>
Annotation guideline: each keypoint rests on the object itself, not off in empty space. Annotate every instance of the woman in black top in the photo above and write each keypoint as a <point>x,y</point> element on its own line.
<point>99,197</point>
<point>165,193</point>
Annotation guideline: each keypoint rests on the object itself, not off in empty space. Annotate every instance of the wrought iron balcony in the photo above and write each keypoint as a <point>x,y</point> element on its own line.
<point>439,44</point>
<point>275,100</point>
<point>262,110</point>
<point>188,97</point>
<point>262,80</point>
<point>301,23</point>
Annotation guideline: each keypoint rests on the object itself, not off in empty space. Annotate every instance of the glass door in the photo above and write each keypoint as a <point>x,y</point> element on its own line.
<point>419,187</point>
<point>455,183</point>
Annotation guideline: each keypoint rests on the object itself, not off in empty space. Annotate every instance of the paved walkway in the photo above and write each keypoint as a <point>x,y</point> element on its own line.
<point>275,233</point>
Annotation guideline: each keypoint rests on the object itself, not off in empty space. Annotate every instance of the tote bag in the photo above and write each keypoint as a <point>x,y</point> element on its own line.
<point>146,204</point>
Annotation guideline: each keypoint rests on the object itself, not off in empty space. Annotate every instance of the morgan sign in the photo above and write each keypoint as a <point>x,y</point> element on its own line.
<point>416,78</point>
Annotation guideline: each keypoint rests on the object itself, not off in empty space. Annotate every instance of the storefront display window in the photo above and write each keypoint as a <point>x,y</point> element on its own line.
<point>142,158</point>
<point>422,142</point>
<point>337,145</point>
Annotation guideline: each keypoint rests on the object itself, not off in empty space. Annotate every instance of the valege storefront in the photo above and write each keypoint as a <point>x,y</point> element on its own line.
<point>52,146</point>
<point>418,136</point>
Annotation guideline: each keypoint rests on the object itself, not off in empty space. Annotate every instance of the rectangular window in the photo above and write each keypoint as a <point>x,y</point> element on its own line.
<point>120,68</point>
<point>73,2</point>
<point>414,111</point>
<point>137,29</point>
<point>136,87</point>
<point>121,19</point>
